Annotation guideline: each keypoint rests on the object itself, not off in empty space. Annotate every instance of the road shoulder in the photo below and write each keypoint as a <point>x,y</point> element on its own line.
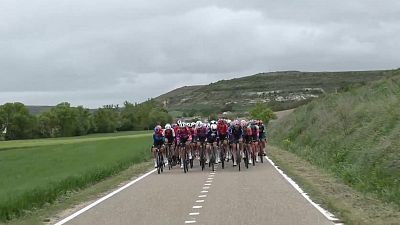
<point>350,206</point>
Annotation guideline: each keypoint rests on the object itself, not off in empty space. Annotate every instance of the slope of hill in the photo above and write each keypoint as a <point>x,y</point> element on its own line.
<point>354,134</point>
<point>281,90</point>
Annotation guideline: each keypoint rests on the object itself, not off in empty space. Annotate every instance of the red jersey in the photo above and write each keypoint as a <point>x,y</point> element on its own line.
<point>222,129</point>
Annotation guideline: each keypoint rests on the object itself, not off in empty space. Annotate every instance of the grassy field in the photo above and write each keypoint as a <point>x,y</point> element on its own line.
<point>354,135</point>
<point>36,172</point>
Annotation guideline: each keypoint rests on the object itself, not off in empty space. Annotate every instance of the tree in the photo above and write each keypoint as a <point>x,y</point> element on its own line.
<point>262,112</point>
<point>16,119</point>
<point>106,119</point>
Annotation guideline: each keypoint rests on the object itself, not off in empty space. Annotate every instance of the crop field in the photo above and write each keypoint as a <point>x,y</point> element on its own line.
<point>36,172</point>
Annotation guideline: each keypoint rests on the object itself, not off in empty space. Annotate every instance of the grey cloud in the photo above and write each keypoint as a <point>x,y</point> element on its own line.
<point>101,52</point>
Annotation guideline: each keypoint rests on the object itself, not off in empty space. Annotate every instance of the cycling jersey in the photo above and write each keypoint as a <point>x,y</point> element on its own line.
<point>169,134</point>
<point>212,136</point>
<point>247,135</point>
<point>255,132</point>
<point>263,133</point>
<point>235,134</point>
<point>222,130</point>
<point>201,134</point>
<point>183,135</point>
<point>158,138</point>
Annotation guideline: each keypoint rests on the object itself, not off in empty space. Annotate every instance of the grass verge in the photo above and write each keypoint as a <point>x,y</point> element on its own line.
<point>72,201</point>
<point>34,176</point>
<point>353,207</point>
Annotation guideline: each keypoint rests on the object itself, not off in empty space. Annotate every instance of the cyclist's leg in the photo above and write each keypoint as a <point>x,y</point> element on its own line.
<point>234,151</point>
<point>208,152</point>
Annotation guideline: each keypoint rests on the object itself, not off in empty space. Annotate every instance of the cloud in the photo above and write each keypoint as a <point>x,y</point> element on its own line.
<point>101,52</point>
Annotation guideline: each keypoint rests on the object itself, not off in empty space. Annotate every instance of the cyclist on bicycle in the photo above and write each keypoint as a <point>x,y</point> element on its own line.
<point>158,142</point>
<point>201,134</point>
<point>183,137</point>
<point>169,135</point>
<point>255,134</point>
<point>235,136</point>
<point>193,142</point>
<point>222,129</point>
<point>212,140</point>
<point>247,138</point>
<point>263,136</point>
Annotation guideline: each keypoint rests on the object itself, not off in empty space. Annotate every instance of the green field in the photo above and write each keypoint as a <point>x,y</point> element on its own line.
<point>354,135</point>
<point>36,172</point>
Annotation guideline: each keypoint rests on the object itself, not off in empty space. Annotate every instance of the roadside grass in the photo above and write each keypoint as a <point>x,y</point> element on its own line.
<point>73,201</point>
<point>350,206</point>
<point>33,176</point>
<point>354,135</point>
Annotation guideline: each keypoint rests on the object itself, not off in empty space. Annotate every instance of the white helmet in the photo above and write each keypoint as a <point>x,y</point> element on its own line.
<point>213,127</point>
<point>198,124</point>
<point>193,124</point>
<point>167,126</point>
<point>182,125</point>
<point>213,122</point>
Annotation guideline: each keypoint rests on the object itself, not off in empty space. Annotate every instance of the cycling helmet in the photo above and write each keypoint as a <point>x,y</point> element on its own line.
<point>182,125</point>
<point>193,124</point>
<point>179,122</point>
<point>198,123</point>
<point>213,127</point>
<point>157,128</point>
<point>236,123</point>
<point>213,122</point>
<point>229,122</point>
<point>243,123</point>
<point>167,126</point>
<point>221,121</point>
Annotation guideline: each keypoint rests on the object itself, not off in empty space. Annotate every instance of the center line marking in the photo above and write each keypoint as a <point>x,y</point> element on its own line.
<point>202,196</point>
<point>204,191</point>
<point>207,184</point>
<point>206,187</point>
<point>197,207</point>
<point>209,181</point>
<point>211,178</point>
<point>199,201</point>
<point>190,221</point>
<point>194,214</point>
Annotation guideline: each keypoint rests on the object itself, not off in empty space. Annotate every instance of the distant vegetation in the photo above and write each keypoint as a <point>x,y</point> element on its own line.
<point>279,90</point>
<point>354,134</point>
<point>37,172</point>
<point>16,121</point>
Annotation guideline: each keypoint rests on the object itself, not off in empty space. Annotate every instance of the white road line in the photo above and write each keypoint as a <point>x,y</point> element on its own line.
<point>202,196</point>
<point>209,181</point>
<point>204,191</point>
<point>104,198</point>
<point>199,201</point>
<point>324,212</point>
<point>207,184</point>
<point>211,178</point>
<point>194,214</point>
<point>190,221</point>
<point>206,187</point>
<point>197,207</point>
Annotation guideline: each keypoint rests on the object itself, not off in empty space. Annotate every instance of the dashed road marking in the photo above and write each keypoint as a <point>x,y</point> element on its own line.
<point>194,214</point>
<point>204,191</point>
<point>190,221</point>
<point>199,201</point>
<point>202,196</point>
<point>207,184</point>
<point>197,207</point>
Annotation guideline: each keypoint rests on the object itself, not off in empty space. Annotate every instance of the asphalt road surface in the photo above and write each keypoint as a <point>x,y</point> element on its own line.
<point>258,195</point>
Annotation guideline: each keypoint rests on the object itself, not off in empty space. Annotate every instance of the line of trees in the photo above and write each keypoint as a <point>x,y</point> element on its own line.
<point>16,122</point>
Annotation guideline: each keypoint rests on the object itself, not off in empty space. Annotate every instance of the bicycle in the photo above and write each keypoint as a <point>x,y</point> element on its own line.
<point>185,157</point>
<point>212,158</point>
<point>169,155</point>
<point>222,155</point>
<point>202,155</point>
<point>160,160</point>
<point>246,155</point>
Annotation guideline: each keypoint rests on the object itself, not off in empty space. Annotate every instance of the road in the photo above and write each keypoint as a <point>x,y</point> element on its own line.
<point>258,195</point>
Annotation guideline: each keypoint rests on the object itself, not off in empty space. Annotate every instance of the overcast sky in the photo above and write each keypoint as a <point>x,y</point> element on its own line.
<point>96,52</point>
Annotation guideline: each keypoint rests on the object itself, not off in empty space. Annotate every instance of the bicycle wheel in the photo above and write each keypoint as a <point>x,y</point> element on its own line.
<point>246,160</point>
<point>222,157</point>
<point>238,158</point>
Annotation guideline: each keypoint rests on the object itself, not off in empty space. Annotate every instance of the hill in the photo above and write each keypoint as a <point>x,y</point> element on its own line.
<point>354,135</point>
<point>280,90</point>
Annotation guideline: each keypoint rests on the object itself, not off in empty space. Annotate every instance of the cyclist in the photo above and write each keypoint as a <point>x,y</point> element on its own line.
<point>201,134</point>
<point>247,138</point>
<point>222,129</point>
<point>212,139</point>
<point>255,134</point>
<point>263,136</point>
<point>169,135</point>
<point>235,136</point>
<point>183,137</point>
<point>193,142</point>
<point>158,142</point>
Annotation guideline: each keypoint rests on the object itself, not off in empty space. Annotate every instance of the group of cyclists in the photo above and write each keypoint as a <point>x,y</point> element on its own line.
<point>210,142</point>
